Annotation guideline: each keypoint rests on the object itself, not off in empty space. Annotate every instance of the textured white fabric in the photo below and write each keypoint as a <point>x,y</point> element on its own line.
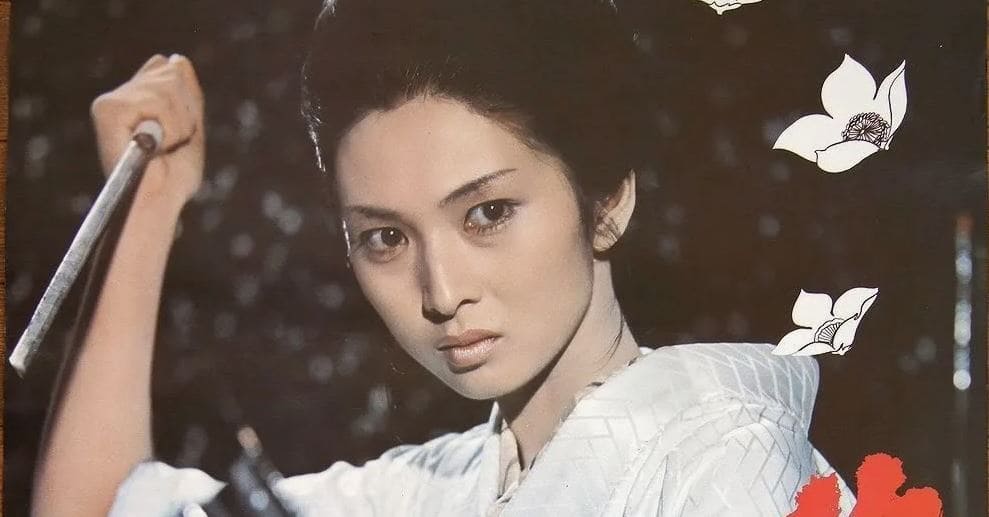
<point>687,430</point>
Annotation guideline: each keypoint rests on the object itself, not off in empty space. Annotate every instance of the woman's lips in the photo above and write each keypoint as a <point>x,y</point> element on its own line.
<point>461,358</point>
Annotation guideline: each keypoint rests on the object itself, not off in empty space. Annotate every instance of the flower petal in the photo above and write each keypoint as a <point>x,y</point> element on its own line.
<point>844,155</point>
<point>794,342</point>
<point>891,98</point>
<point>845,335</point>
<point>720,6</point>
<point>811,309</point>
<point>808,134</point>
<point>854,302</point>
<point>815,348</point>
<point>848,90</point>
<point>852,305</point>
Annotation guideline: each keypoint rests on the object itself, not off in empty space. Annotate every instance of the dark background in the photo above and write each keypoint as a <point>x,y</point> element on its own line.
<point>258,304</point>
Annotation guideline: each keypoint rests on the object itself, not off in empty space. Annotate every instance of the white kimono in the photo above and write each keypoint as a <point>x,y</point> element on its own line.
<point>686,430</point>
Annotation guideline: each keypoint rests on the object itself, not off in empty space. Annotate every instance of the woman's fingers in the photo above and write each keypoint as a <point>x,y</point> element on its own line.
<point>164,89</point>
<point>154,62</point>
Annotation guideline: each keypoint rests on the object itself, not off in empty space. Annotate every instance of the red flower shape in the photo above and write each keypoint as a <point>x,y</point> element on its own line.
<point>879,477</point>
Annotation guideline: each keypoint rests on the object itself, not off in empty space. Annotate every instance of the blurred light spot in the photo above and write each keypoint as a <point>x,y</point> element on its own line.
<point>182,311</point>
<point>26,107</point>
<point>194,443</point>
<point>225,180</point>
<point>908,364</point>
<point>38,148</point>
<point>203,193</point>
<point>246,291</point>
<point>669,248</point>
<point>378,407</point>
<point>840,36</point>
<point>647,178</point>
<point>331,296</point>
<point>769,226</point>
<point>224,325</point>
<point>962,360</point>
<point>779,171</point>
<point>321,368</point>
<point>289,221</point>
<point>349,358</point>
<point>963,331</point>
<point>276,88</point>
<point>242,245</point>
<point>668,126</point>
<point>275,258</point>
<point>80,203</point>
<point>243,31</point>
<point>271,204</point>
<point>31,26</point>
<point>378,400</point>
<point>211,219</point>
<point>724,150</point>
<point>926,349</point>
<point>962,380</point>
<point>673,215</point>
<point>20,288</point>
<point>249,121</point>
<point>963,267</point>
<point>294,338</point>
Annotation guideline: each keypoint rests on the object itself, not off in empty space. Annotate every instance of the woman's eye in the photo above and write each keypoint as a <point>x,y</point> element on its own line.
<point>489,216</point>
<point>383,240</point>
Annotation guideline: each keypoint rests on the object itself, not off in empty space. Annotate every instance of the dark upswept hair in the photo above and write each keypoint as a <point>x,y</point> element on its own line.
<point>564,76</point>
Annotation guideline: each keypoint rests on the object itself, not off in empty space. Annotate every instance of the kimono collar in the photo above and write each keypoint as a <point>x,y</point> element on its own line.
<point>577,471</point>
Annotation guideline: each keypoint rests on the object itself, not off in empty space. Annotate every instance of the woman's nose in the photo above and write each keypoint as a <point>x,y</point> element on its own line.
<point>446,282</point>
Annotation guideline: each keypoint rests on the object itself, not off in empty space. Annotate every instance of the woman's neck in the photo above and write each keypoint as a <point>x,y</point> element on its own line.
<point>534,412</point>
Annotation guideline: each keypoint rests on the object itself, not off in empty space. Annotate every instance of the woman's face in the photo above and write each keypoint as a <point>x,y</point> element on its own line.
<point>456,226</point>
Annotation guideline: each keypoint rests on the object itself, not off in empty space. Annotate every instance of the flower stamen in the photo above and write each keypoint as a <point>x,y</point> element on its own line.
<point>869,127</point>
<point>825,334</point>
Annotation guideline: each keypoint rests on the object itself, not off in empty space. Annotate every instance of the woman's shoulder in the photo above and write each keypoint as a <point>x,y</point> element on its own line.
<point>461,448</point>
<point>704,373</point>
<point>369,489</point>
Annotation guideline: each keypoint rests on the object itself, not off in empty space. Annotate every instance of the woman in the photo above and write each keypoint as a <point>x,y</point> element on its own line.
<point>481,158</point>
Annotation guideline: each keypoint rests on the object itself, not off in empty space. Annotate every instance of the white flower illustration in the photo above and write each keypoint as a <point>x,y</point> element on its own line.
<point>727,5</point>
<point>827,327</point>
<point>860,121</point>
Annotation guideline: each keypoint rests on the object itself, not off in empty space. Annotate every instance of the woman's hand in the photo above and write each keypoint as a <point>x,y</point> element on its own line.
<point>166,90</point>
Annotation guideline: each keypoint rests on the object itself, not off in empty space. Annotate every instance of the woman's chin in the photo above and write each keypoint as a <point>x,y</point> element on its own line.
<point>478,384</point>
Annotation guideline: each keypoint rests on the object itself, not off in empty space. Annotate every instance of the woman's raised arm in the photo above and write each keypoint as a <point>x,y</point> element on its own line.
<point>102,426</point>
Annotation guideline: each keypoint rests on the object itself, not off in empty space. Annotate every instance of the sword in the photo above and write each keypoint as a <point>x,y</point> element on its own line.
<point>145,141</point>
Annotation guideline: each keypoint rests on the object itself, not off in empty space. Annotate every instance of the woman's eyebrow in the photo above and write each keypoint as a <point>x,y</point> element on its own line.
<point>473,186</point>
<point>373,212</point>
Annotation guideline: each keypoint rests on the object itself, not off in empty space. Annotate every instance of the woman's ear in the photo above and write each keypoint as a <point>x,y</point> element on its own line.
<point>615,215</point>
